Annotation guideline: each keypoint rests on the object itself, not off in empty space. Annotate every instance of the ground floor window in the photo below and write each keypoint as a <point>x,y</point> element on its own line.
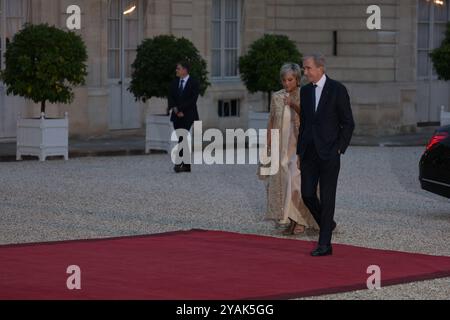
<point>229,108</point>
<point>433,18</point>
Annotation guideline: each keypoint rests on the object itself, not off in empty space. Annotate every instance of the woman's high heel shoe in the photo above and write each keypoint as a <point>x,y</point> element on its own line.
<point>294,229</point>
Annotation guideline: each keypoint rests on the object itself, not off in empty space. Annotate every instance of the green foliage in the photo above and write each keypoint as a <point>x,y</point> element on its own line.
<point>154,67</point>
<point>43,63</point>
<point>260,67</point>
<point>441,57</point>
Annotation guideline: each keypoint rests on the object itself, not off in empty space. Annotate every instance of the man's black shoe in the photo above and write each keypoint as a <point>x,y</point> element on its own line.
<point>322,251</point>
<point>185,168</point>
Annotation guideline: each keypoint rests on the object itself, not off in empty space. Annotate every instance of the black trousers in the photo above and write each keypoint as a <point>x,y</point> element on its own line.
<point>187,126</point>
<point>315,171</point>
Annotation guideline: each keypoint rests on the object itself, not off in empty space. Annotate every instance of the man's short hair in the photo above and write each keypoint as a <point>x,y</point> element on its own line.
<point>185,64</point>
<point>318,58</point>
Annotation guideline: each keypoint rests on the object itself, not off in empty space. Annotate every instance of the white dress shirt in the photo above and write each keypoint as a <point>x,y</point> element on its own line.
<point>319,89</point>
<point>185,80</point>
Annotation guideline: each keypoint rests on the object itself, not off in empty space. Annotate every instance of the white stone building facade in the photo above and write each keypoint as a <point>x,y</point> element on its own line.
<point>388,73</point>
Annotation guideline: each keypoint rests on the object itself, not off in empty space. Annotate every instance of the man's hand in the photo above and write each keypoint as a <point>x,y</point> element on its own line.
<point>180,115</point>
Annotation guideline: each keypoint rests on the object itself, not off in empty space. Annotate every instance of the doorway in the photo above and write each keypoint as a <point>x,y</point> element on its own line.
<point>124,35</point>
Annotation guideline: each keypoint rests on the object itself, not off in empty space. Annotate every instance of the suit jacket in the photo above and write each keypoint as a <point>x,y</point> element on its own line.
<point>331,127</point>
<point>186,102</point>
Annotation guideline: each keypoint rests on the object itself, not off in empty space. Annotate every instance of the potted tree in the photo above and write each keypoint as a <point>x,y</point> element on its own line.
<point>441,61</point>
<point>260,70</point>
<point>153,71</point>
<point>43,64</point>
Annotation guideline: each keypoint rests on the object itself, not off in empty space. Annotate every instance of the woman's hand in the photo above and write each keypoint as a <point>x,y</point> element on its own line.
<point>288,102</point>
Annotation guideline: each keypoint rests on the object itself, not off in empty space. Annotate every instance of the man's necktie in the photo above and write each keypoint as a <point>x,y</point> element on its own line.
<point>181,88</point>
<point>314,97</point>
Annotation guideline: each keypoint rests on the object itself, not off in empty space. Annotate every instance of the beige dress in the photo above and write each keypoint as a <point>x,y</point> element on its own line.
<point>284,199</point>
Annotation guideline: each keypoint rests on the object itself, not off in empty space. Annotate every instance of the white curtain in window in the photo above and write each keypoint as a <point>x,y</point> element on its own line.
<point>14,13</point>
<point>123,16</point>
<point>18,12</point>
<point>216,38</point>
<point>440,19</point>
<point>432,21</point>
<point>225,38</point>
<point>441,12</point>
<point>423,36</point>
<point>424,10</point>
<point>131,33</point>
<point>114,39</point>
<point>231,37</point>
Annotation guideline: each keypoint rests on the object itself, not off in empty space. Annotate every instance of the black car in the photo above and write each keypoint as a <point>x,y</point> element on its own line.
<point>435,164</point>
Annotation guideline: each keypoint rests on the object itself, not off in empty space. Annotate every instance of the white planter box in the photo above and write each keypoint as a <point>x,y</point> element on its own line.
<point>445,117</point>
<point>158,133</point>
<point>43,137</point>
<point>257,120</point>
<point>159,130</point>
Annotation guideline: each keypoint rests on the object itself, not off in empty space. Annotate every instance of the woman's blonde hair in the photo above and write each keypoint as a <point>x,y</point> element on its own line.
<point>293,68</point>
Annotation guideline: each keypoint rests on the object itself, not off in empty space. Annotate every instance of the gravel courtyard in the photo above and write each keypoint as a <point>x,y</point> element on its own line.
<point>380,205</point>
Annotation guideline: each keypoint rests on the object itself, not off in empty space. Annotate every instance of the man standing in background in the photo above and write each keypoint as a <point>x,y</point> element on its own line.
<point>183,96</point>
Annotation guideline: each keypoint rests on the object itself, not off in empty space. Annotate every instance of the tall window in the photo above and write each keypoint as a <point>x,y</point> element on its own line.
<point>229,108</point>
<point>433,18</point>
<point>225,38</point>
<point>123,36</point>
<point>13,15</point>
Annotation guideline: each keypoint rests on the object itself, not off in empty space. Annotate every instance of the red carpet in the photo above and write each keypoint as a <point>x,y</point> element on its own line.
<point>201,265</point>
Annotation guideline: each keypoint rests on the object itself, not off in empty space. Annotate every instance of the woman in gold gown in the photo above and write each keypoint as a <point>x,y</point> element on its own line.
<point>284,201</point>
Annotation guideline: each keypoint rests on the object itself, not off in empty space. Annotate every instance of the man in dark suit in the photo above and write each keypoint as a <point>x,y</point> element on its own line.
<point>183,96</point>
<point>325,132</point>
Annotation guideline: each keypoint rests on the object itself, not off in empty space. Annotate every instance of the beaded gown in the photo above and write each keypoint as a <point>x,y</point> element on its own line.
<point>284,199</point>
